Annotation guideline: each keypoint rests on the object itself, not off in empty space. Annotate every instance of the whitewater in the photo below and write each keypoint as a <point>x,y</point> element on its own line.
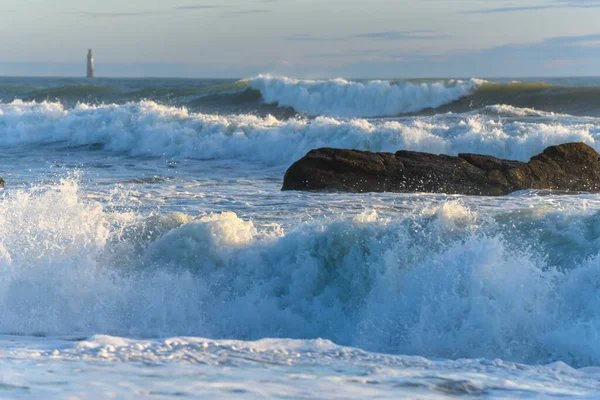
<point>146,249</point>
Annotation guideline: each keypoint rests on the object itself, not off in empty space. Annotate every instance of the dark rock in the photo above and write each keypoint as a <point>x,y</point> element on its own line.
<point>566,167</point>
<point>1,183</point>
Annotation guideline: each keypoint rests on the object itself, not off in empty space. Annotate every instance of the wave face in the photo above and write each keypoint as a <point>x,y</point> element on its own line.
<point>342,98</point>
<point>443,280</point>
<point>150,129</point>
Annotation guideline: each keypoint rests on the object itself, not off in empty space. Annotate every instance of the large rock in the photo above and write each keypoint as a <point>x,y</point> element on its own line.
<point>566,167</point>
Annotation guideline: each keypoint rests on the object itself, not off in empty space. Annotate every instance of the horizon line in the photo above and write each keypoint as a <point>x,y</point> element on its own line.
<point>83,77</point>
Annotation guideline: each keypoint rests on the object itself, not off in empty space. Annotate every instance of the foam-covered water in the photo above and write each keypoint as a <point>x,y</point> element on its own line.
<point>203,368</point>
<point>151,129</point>
<point>146,250</point>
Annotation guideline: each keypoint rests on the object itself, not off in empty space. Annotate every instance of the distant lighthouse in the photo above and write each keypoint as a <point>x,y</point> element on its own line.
<point>90,64</point>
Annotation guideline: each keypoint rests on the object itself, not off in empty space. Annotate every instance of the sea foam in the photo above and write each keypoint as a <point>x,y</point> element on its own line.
<point>147,128</point>
<point>444,280</point>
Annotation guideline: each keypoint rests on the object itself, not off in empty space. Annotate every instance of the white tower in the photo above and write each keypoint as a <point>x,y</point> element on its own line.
<point>90,64</point>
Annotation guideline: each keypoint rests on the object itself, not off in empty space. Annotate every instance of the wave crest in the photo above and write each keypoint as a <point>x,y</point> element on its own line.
<point>342,98</point>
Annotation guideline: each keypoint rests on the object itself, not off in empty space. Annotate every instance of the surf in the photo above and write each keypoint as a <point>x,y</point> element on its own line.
<point>443,280</point>
<point>148,128</point>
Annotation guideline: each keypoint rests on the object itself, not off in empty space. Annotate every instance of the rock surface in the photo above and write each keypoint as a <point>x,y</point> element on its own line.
<point>566,167</point>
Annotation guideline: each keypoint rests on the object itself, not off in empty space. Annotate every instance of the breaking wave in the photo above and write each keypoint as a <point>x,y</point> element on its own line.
<point>445,280</point>
<point>150,129</point>
<point>342,98</point>
<point>287,97</point>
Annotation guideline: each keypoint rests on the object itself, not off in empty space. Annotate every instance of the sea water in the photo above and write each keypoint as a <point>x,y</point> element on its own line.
<point>146,249</point>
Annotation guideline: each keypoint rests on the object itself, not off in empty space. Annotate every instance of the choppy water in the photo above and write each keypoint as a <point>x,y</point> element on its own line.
<point>146,248</point>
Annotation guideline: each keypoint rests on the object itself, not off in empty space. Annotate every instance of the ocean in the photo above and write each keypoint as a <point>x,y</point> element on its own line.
<point>146,249</point>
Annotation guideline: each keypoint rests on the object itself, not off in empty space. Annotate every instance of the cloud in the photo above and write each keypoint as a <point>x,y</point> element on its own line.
<point>563,62</point>
<point>245,12</point>
<point>509,9</point>
<point>304,37</point>
<point>116,14</point>
<point>552,4</point>
<point>579,3</point>
<point>205,7</point>
<point>573,39</point>
<point>342,54</point>
<point>93,14</point>
<point>371,55</point>
<point>401,35</point>
<point>554,56</point>
<point>383,36</point>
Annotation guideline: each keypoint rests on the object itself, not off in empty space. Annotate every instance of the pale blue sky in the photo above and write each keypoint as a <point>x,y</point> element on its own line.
<point>308,38</point>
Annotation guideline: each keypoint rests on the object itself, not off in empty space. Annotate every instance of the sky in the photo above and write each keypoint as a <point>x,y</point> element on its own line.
<point>301,38</point>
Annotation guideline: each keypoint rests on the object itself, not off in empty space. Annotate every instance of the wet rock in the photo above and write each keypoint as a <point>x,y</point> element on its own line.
<point>566,167</point>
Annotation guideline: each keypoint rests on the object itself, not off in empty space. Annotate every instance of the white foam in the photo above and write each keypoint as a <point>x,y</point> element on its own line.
<point>59,367</point>
<point>342,98</point>
<point>439,281</point>
<point>512,111</point>
<point>148,128</point>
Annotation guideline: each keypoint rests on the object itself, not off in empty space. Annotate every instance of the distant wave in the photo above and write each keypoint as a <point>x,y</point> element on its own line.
<point>287,97</point>
<point>148,128</point>
<point>342,98</point>
<point>539,96</point>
